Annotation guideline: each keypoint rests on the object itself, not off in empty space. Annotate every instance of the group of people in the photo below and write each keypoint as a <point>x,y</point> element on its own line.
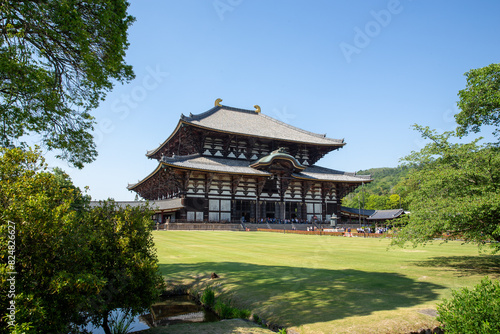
<point>283,221</point>
<point>379,230</point>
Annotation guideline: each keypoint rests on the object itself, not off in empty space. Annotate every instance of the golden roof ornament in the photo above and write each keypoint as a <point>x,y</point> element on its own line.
<point>217,102</point>
<point>257,109</point>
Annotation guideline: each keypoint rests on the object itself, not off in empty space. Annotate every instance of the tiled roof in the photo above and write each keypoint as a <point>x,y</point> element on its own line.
<point>277,155</point>
<point>249,122</point>
<point>236,166</point>
<point>161,205</point>
<point>357,211</point>
<point>213,164</point>
<point>327,174</point>
<point>167,204</point>
<point>386,214</point>
<point>122,204</point>
<point>202,163</point>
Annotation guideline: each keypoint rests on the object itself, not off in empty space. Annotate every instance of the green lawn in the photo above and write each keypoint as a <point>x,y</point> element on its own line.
<point>323,284</point>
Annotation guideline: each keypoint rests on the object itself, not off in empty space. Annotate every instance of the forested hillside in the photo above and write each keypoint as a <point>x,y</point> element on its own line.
<point>381,193</point>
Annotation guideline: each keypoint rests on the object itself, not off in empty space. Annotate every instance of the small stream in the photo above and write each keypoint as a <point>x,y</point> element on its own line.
<point>171,310</point>
<point>177,309</point>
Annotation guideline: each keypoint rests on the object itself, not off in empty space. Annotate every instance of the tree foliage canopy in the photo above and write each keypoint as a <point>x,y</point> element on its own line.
<point>480,101</point>
<point>380,194</point>
<point>454,189</point>
<point>124,254</point>
<point>74,263</point>
<point>58,59</point>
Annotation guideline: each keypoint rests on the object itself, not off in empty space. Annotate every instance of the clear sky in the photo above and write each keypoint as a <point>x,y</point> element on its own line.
<point>360,70</point>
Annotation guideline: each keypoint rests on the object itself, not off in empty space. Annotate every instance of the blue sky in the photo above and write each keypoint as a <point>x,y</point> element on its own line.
<point>360,70</point>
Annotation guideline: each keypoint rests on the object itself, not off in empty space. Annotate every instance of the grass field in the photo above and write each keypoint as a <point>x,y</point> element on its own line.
<point>324,284</point>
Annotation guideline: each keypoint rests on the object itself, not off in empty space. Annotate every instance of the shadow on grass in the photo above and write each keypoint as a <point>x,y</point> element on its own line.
<point>295,296</point>
<point>465,265</point>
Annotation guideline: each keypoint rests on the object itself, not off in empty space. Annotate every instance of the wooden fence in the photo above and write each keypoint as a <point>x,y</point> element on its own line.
<point>338,234</point>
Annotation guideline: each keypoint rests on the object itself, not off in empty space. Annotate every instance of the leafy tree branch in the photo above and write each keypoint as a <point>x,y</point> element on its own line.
<point>480,101</point>
<point>58,60</point>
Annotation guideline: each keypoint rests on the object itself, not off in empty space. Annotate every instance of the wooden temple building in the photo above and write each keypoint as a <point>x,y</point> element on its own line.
<point>230,165</point>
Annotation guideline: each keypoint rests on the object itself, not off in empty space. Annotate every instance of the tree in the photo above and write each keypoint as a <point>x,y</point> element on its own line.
<point>48,252</point>
<point>393,202</point>
<point>453,189</point>
<point>376,194</point>
<point>124,254</point>
<point>480,101</point>
<point>376,202</point>
<point>58,59</point>
<point>74,263</point>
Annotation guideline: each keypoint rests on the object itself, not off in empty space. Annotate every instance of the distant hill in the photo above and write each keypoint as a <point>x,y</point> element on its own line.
<point>380,193</point>
<point>384,179</point>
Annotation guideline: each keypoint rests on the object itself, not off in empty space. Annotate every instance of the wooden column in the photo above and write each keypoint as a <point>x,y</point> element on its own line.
<point>208,182</point>
<point>235,182</point>
<point>325,191</point>
<point>306,186</point>
<point>340,191</point>
<point>253,211</point>
<point>259,186</point>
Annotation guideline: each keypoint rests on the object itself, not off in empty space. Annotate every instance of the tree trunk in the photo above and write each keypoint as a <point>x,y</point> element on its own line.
<point>105,324</point>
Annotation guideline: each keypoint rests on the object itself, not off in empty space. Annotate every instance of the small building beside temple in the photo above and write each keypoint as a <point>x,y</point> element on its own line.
<point>355,215</point>
<point>370,217</point>
<point>231,165</point>
<point>385,216</point>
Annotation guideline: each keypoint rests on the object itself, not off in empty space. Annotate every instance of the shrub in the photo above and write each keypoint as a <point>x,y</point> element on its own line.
<point>243,314</point>
<point>208,297</point>
<point>224,311</point>
<point>472,311</point>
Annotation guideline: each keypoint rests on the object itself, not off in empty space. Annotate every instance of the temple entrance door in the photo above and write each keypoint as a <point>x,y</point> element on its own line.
<point>242,210</point>
<point>291,210</point>
<point>271,210</point>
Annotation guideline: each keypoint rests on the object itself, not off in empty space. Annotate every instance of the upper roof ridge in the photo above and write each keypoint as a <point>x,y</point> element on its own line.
<point>302,130</point>
<point>197,117</point>
<point>211,111</point>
